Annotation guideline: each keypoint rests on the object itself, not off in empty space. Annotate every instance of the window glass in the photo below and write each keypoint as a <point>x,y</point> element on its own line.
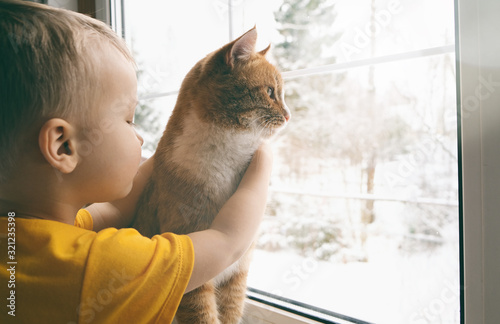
<point>362,217</point>
<point>363,212</point>
<point>167,38</point>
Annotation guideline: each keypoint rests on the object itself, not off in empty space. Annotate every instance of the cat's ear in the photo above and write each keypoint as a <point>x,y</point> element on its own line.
<point>264,51</point>
<point>242,48</point>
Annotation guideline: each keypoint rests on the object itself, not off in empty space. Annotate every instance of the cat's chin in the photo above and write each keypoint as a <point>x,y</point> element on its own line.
<point>270,132</point>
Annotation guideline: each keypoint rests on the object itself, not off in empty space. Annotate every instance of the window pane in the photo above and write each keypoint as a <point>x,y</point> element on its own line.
<point>151,116</point>
<point>309,33</point>
<point>362,217</point>
<point>167,38</point>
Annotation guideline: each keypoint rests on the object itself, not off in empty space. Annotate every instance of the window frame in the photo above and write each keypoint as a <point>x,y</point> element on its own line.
<point>477,47</point>
<point>479,153</point>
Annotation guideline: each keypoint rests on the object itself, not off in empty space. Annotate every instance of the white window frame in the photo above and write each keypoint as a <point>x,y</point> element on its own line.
<point>478,72</point>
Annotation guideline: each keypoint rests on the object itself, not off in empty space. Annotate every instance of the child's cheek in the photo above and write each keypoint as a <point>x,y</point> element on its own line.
<point>107,126</point>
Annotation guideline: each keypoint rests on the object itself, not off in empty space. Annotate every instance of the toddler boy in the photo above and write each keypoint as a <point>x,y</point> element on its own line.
<point>67,100</point>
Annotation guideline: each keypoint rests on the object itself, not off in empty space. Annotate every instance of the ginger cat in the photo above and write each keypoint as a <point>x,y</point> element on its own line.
<point>228,104</point>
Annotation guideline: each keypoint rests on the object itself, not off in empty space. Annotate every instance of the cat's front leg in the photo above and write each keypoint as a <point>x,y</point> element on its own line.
<point>231,298</point>
<point>231,293</point>
<point>198,306</point>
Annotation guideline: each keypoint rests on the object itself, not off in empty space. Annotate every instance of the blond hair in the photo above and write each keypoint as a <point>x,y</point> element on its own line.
<point>48,68</point>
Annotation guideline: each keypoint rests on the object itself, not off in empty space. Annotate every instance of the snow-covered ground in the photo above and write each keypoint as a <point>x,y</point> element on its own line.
<point>389,288</point>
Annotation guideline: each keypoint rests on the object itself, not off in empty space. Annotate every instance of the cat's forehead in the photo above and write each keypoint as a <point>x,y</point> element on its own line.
<point>277,77</point>
<point>273,71</point>
<point>263,71</point>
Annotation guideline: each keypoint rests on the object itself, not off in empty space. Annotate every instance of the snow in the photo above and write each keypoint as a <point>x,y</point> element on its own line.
<point>389,288</point>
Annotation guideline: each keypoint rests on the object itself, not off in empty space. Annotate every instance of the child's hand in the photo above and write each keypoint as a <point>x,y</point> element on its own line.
<point>258,172</point>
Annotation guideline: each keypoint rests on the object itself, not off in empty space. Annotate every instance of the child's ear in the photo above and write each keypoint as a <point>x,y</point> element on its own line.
<point>57,144</point>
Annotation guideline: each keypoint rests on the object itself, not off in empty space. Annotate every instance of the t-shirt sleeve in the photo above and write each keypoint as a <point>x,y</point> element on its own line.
<point>84,220</point>
<point>130,278</point>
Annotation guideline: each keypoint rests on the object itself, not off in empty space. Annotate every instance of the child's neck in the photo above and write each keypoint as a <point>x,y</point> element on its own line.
<point>36,201</point>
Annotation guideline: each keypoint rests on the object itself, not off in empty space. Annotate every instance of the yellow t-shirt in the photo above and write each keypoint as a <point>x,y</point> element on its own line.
<point>69,274</point>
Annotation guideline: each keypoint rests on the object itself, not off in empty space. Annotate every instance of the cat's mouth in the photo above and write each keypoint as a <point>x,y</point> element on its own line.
<point>275,125</point>
<point>266,125</point>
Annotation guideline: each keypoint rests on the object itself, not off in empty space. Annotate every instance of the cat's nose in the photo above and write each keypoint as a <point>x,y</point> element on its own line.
<point>286,113</point>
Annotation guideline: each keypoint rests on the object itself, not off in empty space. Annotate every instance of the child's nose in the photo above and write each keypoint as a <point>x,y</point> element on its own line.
<point>140,138</point>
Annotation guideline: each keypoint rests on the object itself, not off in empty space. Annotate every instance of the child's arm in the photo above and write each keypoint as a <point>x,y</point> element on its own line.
<point>234,228</point>
<point>120,213</point>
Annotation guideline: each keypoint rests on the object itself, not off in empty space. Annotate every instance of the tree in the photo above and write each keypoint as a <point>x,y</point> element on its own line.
<point>339,120</point>
<point>306,30</point>
<point>146,117</point>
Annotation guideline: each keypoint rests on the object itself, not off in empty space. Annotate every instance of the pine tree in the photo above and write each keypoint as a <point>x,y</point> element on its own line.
<point>306,30</point>
<point>338,120</point>
<point>146,117</point>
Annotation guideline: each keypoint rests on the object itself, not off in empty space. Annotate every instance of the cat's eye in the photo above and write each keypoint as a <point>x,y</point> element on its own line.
<point>270,92</point>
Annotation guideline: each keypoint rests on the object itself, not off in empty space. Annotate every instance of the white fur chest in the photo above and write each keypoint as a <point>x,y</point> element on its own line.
<point>214,156</point>
<point>217,158</point>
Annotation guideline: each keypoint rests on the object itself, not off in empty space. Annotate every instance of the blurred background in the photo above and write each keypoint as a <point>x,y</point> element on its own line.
<point>362,217</point>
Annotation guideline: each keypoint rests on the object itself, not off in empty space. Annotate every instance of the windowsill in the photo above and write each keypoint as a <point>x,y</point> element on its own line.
<point>261,313</point>
<point>263,307</point>
<point>256,312</point>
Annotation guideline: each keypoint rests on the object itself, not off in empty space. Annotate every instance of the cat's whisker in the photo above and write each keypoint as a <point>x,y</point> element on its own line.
<point>264,127</point>
<point>259,131</point>
<point>256,119</point>
<point>259,124</point>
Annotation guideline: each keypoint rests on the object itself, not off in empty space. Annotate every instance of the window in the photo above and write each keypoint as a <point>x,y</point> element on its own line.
<point>477,82</point>
<point>363,217</point>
